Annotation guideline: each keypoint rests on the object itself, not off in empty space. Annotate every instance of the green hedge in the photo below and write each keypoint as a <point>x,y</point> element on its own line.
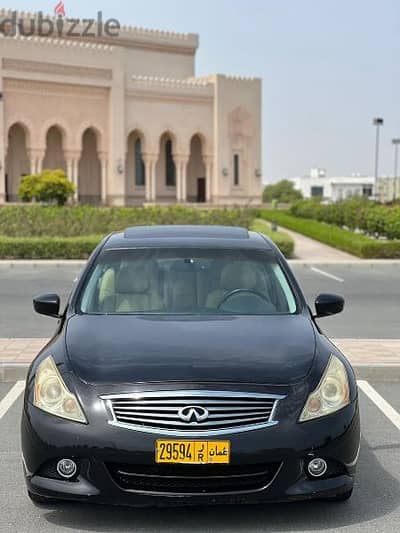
<point>82,247</point>
<point>43,232</point>
<point>371,218</point>
<point>40,221</point>
<point>48,247</point>
<point>283,241</point>
<point>345,240</point>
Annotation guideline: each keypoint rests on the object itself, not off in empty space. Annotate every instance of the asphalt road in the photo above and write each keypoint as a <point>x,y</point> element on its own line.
<point>372,295</point>
<point>375,505</point>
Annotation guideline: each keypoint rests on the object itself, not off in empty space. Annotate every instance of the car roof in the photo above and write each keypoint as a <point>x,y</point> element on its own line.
<point>187,236</point>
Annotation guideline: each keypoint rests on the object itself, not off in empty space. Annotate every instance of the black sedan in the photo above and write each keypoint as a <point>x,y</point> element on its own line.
<point>187,368</point>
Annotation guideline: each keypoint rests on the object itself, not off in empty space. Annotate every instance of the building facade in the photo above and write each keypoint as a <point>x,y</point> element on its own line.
<point>388,189</point>
<point>319,185</point>
<point>127,119</point>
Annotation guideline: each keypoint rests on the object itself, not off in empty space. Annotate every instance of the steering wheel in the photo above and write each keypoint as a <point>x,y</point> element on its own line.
<point>240,291</point>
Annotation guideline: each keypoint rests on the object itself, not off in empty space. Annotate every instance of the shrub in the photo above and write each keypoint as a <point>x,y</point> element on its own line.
<point>47,247</point>
<point>283,241</point>
<point>282,192</point>
<point>29,188</point>
<point>356,214</point>
<point>50,186</point>
<point>68,221</point>
<point>50,232</point>
<point>345,240</point>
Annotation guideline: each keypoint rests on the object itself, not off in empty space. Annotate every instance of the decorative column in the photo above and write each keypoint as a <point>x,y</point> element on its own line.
<point>116,190</point>
<point>104,188</point>
<point>32,161</point>
<point>72,158</point>
<point>181,162</point>
<point>150,163</point>
<point>75,178</point>
<point>209,164</point>
<point>3,142</point>
<point>36,158</point>
<point>154,179</point>
<point>39,162</point>
<point>147,172</point>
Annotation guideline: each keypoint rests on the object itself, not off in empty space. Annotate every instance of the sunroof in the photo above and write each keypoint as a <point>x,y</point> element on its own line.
<point>195,232</point>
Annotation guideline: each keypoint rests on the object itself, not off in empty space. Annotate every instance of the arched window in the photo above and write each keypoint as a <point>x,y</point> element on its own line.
<point>236,170</point>
<point>170,169</point>
<point>140,171</point>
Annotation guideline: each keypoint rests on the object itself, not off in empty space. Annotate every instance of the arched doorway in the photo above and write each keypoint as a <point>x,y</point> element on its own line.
<point>135,169</point>
<point>166,174</point>
<point>196,172</point>
<point>17,160</point>
<point>89,172</point>
<point>54,156</point>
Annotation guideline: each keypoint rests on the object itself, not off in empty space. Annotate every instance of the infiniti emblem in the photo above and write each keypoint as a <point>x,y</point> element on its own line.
<point>193,413</point>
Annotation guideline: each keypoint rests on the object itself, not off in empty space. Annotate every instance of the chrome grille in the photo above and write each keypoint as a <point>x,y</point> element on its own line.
<point>192,412</point>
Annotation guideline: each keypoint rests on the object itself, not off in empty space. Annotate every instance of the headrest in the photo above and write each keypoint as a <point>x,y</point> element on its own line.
<point>133,279</point>
<point>238,275</point>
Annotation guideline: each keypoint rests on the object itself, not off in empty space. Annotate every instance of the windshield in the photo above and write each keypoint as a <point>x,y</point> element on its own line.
<point>187,281</point>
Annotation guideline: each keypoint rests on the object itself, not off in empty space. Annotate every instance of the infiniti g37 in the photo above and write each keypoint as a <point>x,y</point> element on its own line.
<point>188,368</point>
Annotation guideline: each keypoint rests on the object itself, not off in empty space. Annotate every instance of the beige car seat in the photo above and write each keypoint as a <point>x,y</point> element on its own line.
<point>107,287</point>
<point>136,289</point>
<point>236,275</point>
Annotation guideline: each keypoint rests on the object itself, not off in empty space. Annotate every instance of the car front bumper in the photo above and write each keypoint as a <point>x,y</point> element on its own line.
<point>285,448</point>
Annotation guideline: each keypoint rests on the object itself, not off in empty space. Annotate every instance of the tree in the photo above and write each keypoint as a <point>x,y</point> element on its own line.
<point>51,186</point>
<point>282,192</point>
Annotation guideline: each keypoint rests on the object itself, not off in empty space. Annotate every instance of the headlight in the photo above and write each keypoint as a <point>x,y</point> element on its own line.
<point>52,395</point>
<point>331,395</point>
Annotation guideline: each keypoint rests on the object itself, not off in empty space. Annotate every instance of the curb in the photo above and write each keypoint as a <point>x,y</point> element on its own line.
<point>10,372</point>
<point>350,263</point>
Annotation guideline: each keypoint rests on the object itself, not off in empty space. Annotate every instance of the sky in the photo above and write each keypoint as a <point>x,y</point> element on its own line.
<point>328,67</point>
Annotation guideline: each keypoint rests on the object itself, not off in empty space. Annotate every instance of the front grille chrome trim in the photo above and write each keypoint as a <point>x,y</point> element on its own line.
<point>147,415</point>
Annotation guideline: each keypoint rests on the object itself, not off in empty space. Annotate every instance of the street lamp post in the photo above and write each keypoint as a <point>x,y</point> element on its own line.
<point>378,122</point>
<point>396,144</point>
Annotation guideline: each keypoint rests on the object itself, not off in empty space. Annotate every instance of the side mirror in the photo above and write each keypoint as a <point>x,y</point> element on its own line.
<point>328,305</point>
<point>48,305</point>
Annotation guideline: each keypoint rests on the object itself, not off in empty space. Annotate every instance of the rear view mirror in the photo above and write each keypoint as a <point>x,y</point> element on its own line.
<point>48,305</point>
<point>328,305</point>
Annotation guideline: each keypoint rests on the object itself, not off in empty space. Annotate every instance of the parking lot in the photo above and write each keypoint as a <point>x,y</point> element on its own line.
<point>373,305</point>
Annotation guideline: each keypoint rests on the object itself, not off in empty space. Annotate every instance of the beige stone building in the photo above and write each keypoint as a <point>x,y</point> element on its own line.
<point>127,119</point>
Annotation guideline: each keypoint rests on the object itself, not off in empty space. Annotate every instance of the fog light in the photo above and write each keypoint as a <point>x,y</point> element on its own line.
<point>67,468</point>
<point>317,467</point>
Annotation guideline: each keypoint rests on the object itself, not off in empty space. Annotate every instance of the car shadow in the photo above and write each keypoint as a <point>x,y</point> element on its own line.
<point>376,494</point>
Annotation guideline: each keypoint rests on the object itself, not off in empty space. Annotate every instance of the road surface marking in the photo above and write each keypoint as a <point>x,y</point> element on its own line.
<point>11,397</point>
<point>380,402</point>
<point>323,273</point>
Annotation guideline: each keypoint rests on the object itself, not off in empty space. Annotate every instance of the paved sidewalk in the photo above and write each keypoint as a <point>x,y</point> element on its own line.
<point>359,351</point>
<point>314,251</point>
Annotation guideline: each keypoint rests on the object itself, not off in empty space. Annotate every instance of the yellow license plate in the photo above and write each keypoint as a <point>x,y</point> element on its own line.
<point>193,452</point>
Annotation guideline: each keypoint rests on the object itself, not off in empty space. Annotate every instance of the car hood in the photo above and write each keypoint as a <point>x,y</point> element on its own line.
<point>131,349</point>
